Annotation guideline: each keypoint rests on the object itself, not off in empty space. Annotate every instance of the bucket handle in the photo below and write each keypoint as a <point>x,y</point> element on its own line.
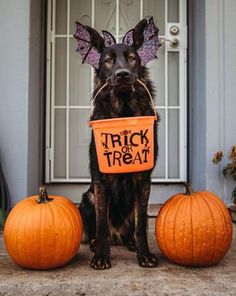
<point>100,89</point>
<point>150,96</point>
<point>139,81</point>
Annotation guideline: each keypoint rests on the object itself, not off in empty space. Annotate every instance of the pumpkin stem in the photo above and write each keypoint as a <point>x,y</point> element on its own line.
<point>43,196</point>
<point>188,188</point>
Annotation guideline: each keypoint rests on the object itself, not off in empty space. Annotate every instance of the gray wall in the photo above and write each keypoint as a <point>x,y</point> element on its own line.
<point>196,94</point>
<point>212,104</point>
<point>20,109</point>
<point>36,95</point>
<point>227,108</point>
<point>14,55</point>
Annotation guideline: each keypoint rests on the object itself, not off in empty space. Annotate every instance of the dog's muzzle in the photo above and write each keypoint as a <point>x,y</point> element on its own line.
<point>122,78</point>
<point>122,75</point>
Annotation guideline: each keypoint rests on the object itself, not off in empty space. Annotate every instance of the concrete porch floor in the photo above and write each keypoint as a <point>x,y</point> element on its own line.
<point>124,278</point>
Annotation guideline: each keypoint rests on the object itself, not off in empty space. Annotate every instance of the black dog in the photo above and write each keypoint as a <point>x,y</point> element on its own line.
<point>115,206</point>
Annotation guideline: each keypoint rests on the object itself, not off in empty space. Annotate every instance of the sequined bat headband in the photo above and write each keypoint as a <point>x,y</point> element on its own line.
<point>90,52</point>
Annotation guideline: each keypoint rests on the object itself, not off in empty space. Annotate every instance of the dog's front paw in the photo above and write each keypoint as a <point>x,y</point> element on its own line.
<point>93,245</point>
<point>100,262</point>
<point>131,245</point>
<point>147,260</point>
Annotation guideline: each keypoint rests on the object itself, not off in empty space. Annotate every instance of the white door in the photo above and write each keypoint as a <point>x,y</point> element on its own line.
<point>69,83</point>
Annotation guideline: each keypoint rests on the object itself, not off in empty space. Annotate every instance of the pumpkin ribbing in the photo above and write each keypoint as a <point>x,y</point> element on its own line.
<point>194,229</point>
<point>43,235</point>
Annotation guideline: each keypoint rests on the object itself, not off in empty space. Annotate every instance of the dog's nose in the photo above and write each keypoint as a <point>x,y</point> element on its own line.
<point>122,74</point>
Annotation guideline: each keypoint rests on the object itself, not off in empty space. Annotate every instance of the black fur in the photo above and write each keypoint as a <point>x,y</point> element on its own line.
<point>114,209</point>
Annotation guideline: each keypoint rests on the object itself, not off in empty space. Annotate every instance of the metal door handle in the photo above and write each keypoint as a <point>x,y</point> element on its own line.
<point>173,43</point>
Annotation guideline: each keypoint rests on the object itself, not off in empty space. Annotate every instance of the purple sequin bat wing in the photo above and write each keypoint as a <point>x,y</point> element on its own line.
<point>148,50</point>
<point>88,52</point>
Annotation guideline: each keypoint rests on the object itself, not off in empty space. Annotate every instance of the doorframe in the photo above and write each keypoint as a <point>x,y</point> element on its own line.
<point>49,157</point>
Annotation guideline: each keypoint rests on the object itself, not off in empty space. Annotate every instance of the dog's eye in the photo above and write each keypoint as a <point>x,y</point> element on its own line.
<point>109,60</point>
<point>131,58</point>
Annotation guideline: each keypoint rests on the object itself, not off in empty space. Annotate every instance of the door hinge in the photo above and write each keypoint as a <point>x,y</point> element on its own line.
<point>49,153</point>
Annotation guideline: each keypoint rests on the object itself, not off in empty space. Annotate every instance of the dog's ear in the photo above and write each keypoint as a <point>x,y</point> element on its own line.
<point>109,39</point>
<point>138,33</point>
<point>144,39</point>
<point>90,44</point>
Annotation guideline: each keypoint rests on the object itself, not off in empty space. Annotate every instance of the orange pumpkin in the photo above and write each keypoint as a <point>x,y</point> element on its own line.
<point>43,232</point>
<point>194,228</point>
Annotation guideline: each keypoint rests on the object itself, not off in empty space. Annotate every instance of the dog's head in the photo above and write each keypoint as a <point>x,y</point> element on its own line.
<point>118,64</point>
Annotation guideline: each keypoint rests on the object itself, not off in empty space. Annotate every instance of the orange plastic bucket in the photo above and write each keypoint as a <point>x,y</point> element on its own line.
<point>125,145</point>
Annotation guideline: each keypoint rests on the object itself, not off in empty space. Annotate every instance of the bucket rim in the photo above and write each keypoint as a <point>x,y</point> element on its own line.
<point>117,119</point>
